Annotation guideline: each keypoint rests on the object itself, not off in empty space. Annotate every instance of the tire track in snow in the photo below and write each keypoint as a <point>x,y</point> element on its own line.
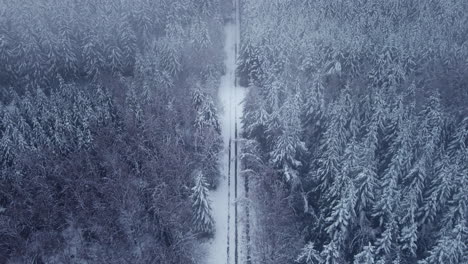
<point>229,203</point>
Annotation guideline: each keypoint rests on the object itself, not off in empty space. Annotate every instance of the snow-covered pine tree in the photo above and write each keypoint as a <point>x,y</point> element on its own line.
<point>366,179</point>
<point>332,147</point>
<point>331,253</point>
<point>33,70</point>
<point>408,225</point>
<point>314,102</point>
<point>428,139</point>
<point>313,116</point>
<point>171,56</point>
<point>50,57</point>
<point>440,189</point>
<point>115,58</point>
<point>103,105</point>
<point>255,116</point>
<point>92,55</point>
<point>249,64</point>
<point>459,141</point>
<point>366,256</point>
<point>127,42</point>
<point>366,183</point>
<point>133,103</point>
<point>309,255</point>
<point>451,248</point>
<point>274,92</point>
<point>206,112</point>
<point>67,53</point>
<point>200,34</point>
<point>202,219</point>
<point>399,164</point>
<point>6,143</point>
<point>454,220</point>
<point>342,216</point>
<point>386,243</point>
<point>288,144</point>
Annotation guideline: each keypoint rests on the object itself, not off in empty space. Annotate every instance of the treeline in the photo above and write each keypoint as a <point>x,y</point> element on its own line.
<point>107,115</point>
<point>356,127</point>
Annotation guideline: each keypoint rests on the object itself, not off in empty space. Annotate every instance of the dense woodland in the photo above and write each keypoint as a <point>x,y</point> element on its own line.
<point>108,128</point>
<point>356,130</point>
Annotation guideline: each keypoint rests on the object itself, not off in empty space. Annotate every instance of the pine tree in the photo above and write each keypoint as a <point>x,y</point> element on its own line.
<point>331,253</point>
<point>309,255</point>
<point>6,145</point>
<point>386,242</point>
<point>350,166</point>
<point>202,220</point>
<point>366,179</point>
<point>67,52</point>
<point>408,224</point>
<point>103,105</point>
<point>170,57</point>
<point>206,112</point>
<point>428,141</point>
<point>92,54</point>
<point>314,100</point>
<point>440,189</point>
<point>255,116</point>
<point>115,59</point>
<point>127,42</point>
<point>451,248</point>
<point>367,256</point>
<point>343,216</point>
<point>274,93</point>
<point>366,183</point>
<point>392,175</point>
<point>288,144</point>
<point>133,103</point>
<point>332,148</point>
<point>459,141</point>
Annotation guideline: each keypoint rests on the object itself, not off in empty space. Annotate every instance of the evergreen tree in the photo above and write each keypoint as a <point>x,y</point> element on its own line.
<point>202,220</point>
<point>428,141</point>
<point>115,58</point>
<point>440,189</point>
<point>366,182</point>
<point>127,43</point>
<point>314,100</point>
<point>459,141</point>
<point>206,113</point>
<point>387,241</point>
<point>409,226</point>
<point>255,116</point>
<point>309,255</point>
<point>331,253</point>
<point>367,256</point>
<point>92,55</point>
<point>332,147</point>
<point>288,145</point>
<point>451,248</point>
<point>274,93</point>
<point>342,216</point>
<point>133,103</point>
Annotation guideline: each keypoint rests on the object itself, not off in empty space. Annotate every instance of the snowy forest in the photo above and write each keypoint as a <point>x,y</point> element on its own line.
<point>117,146</point>
<point>356,130</point>
<point>106,111</point>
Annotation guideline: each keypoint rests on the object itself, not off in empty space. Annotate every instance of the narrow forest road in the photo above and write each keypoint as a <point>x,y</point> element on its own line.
<point>226,246</point>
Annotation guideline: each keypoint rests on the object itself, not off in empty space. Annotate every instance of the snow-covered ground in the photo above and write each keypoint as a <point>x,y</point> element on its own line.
<point>221,248</point>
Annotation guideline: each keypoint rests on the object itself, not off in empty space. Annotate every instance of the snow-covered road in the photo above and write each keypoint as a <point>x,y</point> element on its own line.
<point>225,246</point>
